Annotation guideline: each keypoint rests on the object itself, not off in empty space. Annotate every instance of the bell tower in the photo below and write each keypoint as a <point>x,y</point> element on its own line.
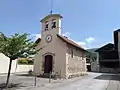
<point>51,22</point>
<point>51,26</point>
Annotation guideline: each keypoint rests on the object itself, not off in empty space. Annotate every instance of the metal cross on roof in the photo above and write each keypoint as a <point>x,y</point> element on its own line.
<point>51,6</point>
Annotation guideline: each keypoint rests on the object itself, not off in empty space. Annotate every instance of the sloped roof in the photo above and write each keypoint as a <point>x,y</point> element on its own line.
<point>38,40</point>
<point>92,50</point>
<point>51,15</point>
<point>65,39</point>
<point>118,30</point>
<point>107,47</point>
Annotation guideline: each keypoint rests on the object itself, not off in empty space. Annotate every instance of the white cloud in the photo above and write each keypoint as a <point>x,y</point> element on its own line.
<point>101,45</point>
<point>90,39</point>
<point>36,36</point>
<point>87,43</point>
<point>82,44</point>
<point>67,34</point>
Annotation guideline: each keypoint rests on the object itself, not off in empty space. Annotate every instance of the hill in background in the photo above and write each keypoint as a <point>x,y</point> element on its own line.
<point>92,50</point>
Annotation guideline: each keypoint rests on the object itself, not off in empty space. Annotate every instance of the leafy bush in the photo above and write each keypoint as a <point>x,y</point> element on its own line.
<point>25,62</point>
<point>30,62</point>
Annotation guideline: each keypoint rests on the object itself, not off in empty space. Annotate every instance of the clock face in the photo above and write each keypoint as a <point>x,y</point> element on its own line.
<point>48,38</point>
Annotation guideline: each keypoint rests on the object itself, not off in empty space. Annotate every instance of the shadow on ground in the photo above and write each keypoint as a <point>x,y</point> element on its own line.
<point>115,77</point>
<point>39,76</point>
<point>27,75</point>
<point>11,85</point>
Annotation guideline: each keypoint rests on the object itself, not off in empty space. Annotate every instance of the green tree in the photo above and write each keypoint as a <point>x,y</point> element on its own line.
<point>18,45</point>
<point>2,36</point>
<point>91,56</point>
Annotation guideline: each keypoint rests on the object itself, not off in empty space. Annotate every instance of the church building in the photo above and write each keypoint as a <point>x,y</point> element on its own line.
<point>58,54</point>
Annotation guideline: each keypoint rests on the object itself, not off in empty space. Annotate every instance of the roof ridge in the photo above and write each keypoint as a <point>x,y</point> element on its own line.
<point>71,42</point>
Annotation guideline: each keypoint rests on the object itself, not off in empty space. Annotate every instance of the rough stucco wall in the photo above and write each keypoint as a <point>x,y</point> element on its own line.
<point>14,64</point>
<point>24,68</point>
<point>77,64</point>
<point>56,47</point>
<point>5,64</point>
<point>38,63</point>
<point>60,59</point>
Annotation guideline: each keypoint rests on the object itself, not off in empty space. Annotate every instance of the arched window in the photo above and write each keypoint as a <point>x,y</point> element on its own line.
<point>71,53</point>
<point>46,25</point>
<point>53,23</point>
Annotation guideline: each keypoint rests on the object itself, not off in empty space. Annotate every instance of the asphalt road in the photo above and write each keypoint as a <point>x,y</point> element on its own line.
<point>92,81</point>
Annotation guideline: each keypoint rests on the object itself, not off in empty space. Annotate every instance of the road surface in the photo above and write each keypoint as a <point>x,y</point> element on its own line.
<point>92,81</point>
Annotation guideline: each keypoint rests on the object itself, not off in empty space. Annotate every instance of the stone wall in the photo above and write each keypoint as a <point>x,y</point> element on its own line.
<point>77,63</point>
<point>24,68</point>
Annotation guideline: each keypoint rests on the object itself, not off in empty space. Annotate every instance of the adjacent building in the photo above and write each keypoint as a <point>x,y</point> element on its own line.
<point>117,43</point>
<point>4,65</point>
<point>58,54</point>
<point>108,58</point>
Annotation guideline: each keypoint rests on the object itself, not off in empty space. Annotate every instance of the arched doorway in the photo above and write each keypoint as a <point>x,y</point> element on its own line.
<point>48,64</point>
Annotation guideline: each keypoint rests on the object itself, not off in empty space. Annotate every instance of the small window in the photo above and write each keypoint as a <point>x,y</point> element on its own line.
<point>53,24</point>
<point>71,53</point>
<point>46,26</point>
<point>82,56</point>
<point>76,49</point>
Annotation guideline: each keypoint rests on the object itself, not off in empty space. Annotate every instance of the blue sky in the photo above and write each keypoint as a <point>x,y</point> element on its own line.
<point>88,22</point>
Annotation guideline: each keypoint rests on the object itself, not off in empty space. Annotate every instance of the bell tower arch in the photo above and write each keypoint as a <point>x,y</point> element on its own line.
<point>51,22</point>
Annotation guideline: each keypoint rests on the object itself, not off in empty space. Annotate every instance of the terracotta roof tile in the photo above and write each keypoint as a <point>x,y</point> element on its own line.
<point>38,40</point>
<point>65,39</point>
